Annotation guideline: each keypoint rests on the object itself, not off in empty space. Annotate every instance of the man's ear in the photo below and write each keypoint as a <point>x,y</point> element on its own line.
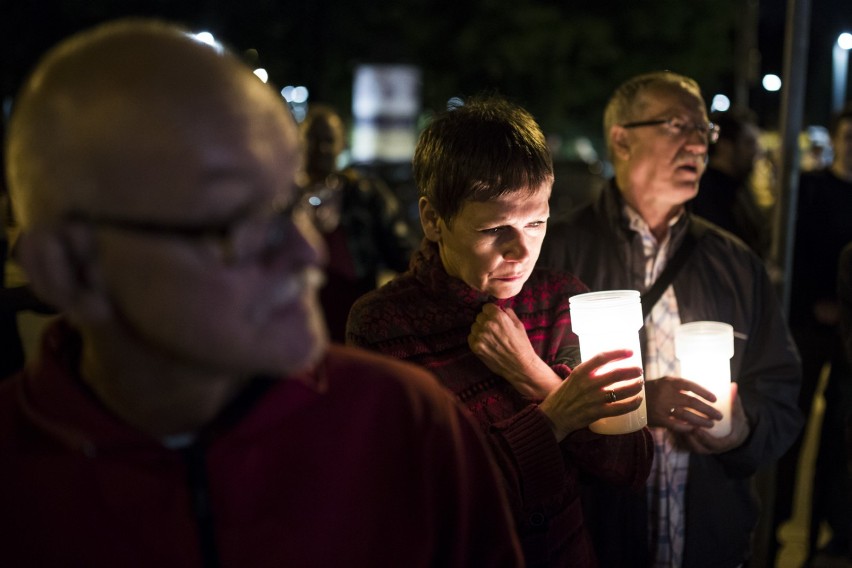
<point>62,270</point>
<point>430,220</point>
<point>619,142</point>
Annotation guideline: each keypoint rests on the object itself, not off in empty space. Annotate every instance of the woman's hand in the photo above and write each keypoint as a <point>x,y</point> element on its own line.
<point>500,340</point>
<point>589,394</point>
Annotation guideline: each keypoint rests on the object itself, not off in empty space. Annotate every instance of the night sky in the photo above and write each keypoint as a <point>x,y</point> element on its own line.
<point>27,29</point>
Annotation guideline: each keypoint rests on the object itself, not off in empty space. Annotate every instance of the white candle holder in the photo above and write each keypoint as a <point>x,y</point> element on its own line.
<point>704,349</point>
<point>605,321</point>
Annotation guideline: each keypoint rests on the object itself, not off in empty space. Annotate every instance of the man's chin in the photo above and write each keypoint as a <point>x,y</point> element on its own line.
<point>291,363</point>
<point>305,352</point>
<point>686,189</point>
<point>297,350</point>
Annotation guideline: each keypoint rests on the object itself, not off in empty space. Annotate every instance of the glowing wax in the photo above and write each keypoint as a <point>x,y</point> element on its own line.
<point>605,321</point>
<point>704,349</point>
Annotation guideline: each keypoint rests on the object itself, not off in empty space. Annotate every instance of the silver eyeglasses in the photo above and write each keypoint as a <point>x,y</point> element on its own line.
<point>238,241</point>
<point>680,127</point>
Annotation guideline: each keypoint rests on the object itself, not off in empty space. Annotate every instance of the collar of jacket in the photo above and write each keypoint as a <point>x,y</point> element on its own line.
<point>610,208</point>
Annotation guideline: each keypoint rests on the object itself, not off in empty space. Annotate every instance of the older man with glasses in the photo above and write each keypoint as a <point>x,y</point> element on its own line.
<point>187,409</point>
<point>698,509</point>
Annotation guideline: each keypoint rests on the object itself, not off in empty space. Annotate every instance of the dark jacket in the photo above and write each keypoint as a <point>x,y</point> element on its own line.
<point>722,281</point>
<point>822,230</point>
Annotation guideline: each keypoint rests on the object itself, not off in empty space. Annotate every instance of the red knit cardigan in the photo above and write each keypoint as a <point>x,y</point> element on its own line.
<point>425,316</point>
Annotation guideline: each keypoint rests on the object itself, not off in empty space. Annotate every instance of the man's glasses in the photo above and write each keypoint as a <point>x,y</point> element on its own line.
<point>238,242</point>
<point>679,127</point>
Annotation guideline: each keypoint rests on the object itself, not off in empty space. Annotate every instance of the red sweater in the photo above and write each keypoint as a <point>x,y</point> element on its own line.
<point>424,316</point>
<point>347,466</point>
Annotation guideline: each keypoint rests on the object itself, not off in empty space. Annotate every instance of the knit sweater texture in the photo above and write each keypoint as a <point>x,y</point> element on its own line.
<point>425,316</point>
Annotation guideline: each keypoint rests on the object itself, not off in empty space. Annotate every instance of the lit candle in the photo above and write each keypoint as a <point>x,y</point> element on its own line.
<point>606,321</point>
<point>704,349</point>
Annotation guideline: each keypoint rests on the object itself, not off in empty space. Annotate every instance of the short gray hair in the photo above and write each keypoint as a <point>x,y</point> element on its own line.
<point>626,102</point>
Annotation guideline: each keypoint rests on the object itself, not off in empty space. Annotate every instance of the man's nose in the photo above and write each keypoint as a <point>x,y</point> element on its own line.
<point>697,136</point>
<point>304,245</point>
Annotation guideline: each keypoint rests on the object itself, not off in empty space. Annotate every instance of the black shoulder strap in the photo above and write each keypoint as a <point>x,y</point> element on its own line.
<point>652,295</point>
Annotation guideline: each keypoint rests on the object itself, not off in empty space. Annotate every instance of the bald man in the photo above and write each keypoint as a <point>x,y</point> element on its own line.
<point>187,409</point>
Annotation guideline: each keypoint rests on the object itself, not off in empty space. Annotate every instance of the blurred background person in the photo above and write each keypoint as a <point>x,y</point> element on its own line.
<point>359,218</point>
<point>725,195</point>
<point>831,501</point>
<point>823,228</point>
<point>815,148</point>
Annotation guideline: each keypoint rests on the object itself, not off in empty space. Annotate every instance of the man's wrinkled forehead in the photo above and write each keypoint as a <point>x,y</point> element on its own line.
<point>136,144</point>
<point>127,108</point>
<point>221,157</point>
<point>668,98</point>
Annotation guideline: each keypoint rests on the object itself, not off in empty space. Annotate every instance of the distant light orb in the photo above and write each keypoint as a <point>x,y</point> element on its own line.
<point>844,40</point>
<point>262,74</point>
<point>771,82</point>
<point>300,94</point>
<point>720,103</point>
<point>205,37</point>
<point>296,95</point>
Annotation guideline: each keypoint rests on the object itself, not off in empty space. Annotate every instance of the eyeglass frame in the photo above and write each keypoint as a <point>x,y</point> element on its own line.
<point>710,130</point>
<point>279,224</point>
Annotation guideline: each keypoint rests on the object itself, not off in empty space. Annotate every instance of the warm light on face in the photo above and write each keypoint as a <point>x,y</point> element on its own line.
<point>492,246</point>
<point>665,150</point>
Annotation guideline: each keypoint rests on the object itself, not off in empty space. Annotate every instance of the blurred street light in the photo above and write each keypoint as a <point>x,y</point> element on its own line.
<point>840,61</point>
<point>720,103</point>
<point>262,74</point>
<point>207,38</point>
<point>297,98</point>
<point>771,82</point>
